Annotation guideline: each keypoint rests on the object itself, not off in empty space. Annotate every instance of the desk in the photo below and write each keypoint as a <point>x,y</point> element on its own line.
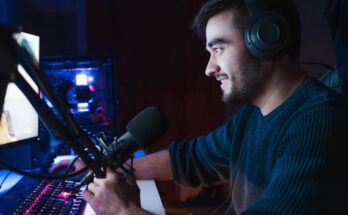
<point>149,196</point>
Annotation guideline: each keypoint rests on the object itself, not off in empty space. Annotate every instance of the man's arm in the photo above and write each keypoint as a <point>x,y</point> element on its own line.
<point>154,166</point>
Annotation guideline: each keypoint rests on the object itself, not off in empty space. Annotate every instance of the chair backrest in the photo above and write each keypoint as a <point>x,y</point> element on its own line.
<point>336,14</point>
<point>332,79</point>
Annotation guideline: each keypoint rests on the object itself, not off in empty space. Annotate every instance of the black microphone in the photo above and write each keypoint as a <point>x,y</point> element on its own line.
<point>144,129</point>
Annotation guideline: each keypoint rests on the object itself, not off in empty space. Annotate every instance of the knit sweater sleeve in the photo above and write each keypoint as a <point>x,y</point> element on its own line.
<point>202,160</point>
<point>305,174</point>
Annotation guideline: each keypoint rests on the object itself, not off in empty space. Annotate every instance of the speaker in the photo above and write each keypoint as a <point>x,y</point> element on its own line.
<point>266,34</point>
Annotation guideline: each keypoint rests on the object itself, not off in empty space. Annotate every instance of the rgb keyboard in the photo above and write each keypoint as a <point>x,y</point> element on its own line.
<point>46,198</point>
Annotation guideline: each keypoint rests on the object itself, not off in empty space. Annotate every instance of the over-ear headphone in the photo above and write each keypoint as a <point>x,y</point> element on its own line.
<point>267,33</point>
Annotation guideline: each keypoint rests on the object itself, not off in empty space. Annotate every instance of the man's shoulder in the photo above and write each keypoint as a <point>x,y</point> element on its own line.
<point>316,94</point>
<point>318,103</point>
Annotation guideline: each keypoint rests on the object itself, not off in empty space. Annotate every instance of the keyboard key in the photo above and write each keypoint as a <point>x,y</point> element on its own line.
<point>50,197</point>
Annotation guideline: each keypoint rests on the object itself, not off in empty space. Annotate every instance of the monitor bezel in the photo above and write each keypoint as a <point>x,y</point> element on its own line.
<point>8,150</point>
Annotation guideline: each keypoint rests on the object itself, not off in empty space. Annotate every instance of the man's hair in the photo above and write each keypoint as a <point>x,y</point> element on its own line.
<point>285,8</point>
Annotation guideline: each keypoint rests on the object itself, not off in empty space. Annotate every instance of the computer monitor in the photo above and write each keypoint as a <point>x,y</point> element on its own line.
<point>19,126</point>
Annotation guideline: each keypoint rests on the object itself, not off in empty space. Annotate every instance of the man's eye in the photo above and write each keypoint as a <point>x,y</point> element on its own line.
<point>217,50</point>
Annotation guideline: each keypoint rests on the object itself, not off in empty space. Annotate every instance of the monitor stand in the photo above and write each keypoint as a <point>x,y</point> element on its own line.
<point>18,156</point>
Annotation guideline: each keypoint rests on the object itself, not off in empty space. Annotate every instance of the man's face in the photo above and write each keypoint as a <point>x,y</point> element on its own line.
<point>230,62</point>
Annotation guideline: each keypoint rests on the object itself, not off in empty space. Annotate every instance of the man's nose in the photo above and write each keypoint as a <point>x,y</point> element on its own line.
<point>212,67</point>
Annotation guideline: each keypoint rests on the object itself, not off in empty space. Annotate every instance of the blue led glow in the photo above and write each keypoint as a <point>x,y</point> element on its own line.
<point>83,107</point>
<point>90,79</point>
<point>83,110</point>
<point>49,104</point>
<point>81,79</point>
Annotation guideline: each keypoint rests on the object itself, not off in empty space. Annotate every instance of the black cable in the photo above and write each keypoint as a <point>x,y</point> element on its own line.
<point>42,177</point>
<point>67,172</point>
<point>329,67</point>
<point>71,165</point>
<point>3,180</point>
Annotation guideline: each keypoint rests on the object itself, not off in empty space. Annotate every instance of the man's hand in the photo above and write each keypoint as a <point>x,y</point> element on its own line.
<point>115,194</point>
<point>63,164</point>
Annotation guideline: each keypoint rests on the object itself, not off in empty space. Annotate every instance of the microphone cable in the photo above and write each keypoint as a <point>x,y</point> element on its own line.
<point>71,165</point>
<point>67,172</point>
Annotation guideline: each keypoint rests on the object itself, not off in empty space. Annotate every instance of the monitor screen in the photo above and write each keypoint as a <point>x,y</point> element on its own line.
<point>19,120</point>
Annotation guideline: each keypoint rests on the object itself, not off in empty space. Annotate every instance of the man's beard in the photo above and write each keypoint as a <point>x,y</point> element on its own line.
<point>250,86</point>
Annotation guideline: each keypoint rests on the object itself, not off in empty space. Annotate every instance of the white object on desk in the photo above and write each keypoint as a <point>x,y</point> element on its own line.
<point>149,197</point>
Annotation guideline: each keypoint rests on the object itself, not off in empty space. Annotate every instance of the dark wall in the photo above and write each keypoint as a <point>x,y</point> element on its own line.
<point>159,62</point>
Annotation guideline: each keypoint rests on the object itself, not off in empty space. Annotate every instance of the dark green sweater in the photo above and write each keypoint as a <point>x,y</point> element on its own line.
<point>288,162</point>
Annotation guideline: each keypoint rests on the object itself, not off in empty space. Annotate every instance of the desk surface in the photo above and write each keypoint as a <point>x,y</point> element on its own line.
<point>149,196</point>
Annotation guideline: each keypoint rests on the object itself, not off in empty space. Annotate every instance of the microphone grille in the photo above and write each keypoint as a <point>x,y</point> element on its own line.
<point>148,126</point>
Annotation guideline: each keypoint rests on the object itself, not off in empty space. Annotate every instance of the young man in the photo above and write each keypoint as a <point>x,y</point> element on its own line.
<point>280,152</point>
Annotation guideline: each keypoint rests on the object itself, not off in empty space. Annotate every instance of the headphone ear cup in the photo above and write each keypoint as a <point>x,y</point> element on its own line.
<point>267,36</point>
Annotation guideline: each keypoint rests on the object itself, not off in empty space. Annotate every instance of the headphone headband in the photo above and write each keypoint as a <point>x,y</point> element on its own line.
<point>255,6</point>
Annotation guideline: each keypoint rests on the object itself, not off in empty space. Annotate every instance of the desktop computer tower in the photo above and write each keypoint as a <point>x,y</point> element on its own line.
<point>88,89</point>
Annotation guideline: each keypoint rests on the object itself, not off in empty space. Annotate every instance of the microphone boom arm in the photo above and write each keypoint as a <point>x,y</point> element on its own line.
<point>70,132</point>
